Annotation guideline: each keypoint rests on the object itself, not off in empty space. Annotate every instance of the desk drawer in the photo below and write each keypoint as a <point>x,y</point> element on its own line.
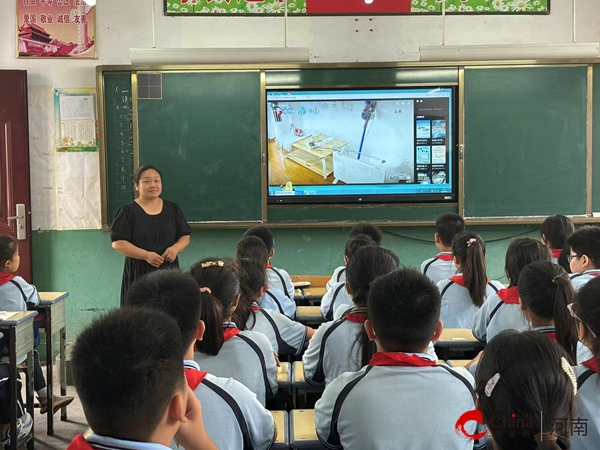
<point>24,334</point>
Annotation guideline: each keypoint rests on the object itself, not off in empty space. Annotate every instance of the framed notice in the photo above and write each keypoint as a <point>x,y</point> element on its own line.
<point>351,7</point>
<point>76,125</point>
<point>56,29</point>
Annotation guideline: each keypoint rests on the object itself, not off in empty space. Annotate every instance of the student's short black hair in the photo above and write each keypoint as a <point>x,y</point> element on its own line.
<point>264,234</point>
<point>172,292</point>
<point>252,247</point>
<point>127,365</point>
<point>140,171</point>
<point>8,247</point>
<point>586,241</point>
<point>587,308</point>
<point>521,252</point>
<point>449,225</point>
<point>404,309</point>
<point>369,229</point>
<point>356,242</point>
<point>556,230</point>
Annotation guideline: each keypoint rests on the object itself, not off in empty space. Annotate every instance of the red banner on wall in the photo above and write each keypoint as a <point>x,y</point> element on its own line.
<point>357,6</point>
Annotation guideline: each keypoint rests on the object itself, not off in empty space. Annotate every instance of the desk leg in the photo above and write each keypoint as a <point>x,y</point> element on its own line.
<point>29,394</point>
<point>63,371</point>
<point>324,164</point>
<point>13,384</point>
<point>49,372</point>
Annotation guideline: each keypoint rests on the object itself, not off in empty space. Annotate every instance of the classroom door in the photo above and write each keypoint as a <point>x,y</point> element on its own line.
<point>15,210</point>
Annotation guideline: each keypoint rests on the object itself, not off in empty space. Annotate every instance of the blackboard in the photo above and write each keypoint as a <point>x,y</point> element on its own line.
<point>118,135</point>
<point>204,134</point>
<point>525,141</point>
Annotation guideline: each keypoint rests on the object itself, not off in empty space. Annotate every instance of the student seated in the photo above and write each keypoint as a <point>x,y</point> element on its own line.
<point>286,336</point>
<point>224,350</point>
<point>251,247</point>
<point>338,294</point>
<point>555,232</point>
<point>233,417</point>
<point>525,391</point>
<point>276,278</point>
<point>544,293</point>
<point>586,311</point>
<point>584,259</point>
<point>403,399</point>
<point>368,229</point>
<point>16,294</point>
<point>442,267</point>
<point>501,311</point>
<point>343,346</point>
<point>129,377</point>
<point>464,293</point>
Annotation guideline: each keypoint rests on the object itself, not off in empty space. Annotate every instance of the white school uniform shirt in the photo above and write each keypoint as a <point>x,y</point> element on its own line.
<point>338,276</point>
<point>583,353</point>
<point>286,336</point>
<point>281,280</point>
<point>399,407</point>
<point>334,348</point>
<point>17,295</point>
<point>247,356</point>
<point>458,310</point>
<point>440,267</point>
<point>233,417</point>
<point>578,280</point>
<point>501,311</point>
<point>336,296</point>
<point>275,300</point>
<point>587,406</point>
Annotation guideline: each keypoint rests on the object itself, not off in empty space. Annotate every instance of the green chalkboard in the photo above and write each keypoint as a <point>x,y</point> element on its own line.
<point>525,141</point>
<point>204,134</point>
<point>119,141</point>
<point>596,143</point>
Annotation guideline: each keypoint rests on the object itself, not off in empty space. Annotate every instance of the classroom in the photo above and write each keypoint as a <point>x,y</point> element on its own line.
<point>426,119</point>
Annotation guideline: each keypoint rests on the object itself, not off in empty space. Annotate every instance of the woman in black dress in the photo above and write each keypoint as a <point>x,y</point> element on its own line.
<point>149,231</point>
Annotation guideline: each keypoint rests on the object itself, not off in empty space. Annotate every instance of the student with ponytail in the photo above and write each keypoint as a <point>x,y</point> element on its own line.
<point>586,311</point>
<point>225,351</point>
<point>286,336</point>
<point>545,291</point>
<point>526,388</point>
<point>337,346</point>
<point>464,293</point>
<point>501,311</point>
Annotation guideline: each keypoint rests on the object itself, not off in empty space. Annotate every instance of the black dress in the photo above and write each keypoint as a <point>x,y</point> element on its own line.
<point>153,233</point>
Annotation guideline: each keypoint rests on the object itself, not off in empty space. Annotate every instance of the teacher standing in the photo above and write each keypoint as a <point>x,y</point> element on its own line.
<point>149,231</point>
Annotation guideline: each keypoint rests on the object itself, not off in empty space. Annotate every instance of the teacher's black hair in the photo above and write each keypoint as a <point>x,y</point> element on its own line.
<point>143,168</point>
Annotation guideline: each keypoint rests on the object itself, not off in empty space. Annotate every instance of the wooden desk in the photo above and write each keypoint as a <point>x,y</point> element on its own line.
<point>458,362</point>
<point>298,380</point>
<point>309,314</point>
<point>53,305</point>
<point>19,330</point>
<point>281,422</point>
<point>309,157</point>
<point>314,280</point>
<point>457,337</point>
<point>303,434</point>
<point>283,375</point>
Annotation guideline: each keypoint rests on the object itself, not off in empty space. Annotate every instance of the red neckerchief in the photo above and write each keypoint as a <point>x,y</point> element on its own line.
<point>556,253</point>
<point>400,359</point>
<point>592,364</point>
<point>194,377</point>
<point>460,280</point>
<point>254,307</point>
<point>510,296</point>
<point>79,443</point>
<point>230,332</point>
<point>5,277</point>
<point>550,334</point>
<point>356,317</point>
<point>269,266</point>
<point>595,274</point>
<point>445,257</point>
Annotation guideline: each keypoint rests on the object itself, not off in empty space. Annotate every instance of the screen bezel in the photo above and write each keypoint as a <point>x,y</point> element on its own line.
<point>397,199</point>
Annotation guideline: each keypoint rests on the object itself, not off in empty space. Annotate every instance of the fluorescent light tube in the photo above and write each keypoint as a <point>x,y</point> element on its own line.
<point>249,55</point>
<point>587,50</point>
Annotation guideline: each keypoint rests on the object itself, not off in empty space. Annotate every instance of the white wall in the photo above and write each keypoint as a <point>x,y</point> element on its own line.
<point>127,23</point>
